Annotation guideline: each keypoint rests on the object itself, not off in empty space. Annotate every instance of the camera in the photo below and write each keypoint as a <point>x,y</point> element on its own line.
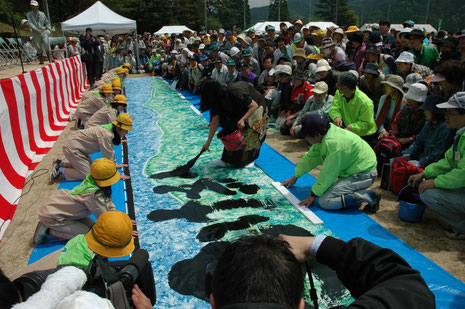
<point>113,280</point>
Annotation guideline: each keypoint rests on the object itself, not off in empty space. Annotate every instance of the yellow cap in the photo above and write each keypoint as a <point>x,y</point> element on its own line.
<point>120,99</point>
<point>111,235</point>
<point>352,29</point>
<point>124,121</point>
<point>120,70</point>
<point>104,172</point>
<point>127,64</point>
<point>320,33</point>
<point>315,57</point>
<point>106,89</point>
<point>116,83</point>
<point>126,71</point>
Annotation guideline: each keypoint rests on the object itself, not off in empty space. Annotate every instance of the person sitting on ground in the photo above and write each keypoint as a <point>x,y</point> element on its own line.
<point>390,103</point>
<point>424,55</point>
<point>451,76</point>
<point>231,75</point>
<point>132,61</point>
<point>267,273</point>
<point>324,73</point>
<point>442,183</point>
<point>332,52</point>
<point>357,56</point>
<point>370,82</point>
<point>409,121</point>
<point>348,167</point>
<point>251,62</point>
<point>282,50</point>
<point>434,138</point>
<point>301,92</point>
<point>86,108</point>
<point>195,74</point>
<point>402,43</point>
<point>219,72</point>
<point>337,37</point>
<point>319,103</point>
<point>301,61</point>
<point>245,74</point>
<point>236,107</point>
<point>268,65</point>
<point>81,144</point>
<point>386,63</point>
<point>66,213</point>
<point>406,65</point>
<point>351,108</point>
<point>449,50</point>
<point>108,114</point>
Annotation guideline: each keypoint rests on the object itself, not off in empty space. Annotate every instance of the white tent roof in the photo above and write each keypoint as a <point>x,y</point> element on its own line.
<point>260,26</point>
<point>173,29</point>
<point>399,27</point>
<point>321,24</point>
<point>101,19</point>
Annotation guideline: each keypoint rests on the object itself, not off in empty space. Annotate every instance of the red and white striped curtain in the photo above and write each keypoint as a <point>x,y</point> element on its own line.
<point>34,110</point>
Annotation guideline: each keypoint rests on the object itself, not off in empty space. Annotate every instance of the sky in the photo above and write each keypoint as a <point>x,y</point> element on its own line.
<point>255,3</point>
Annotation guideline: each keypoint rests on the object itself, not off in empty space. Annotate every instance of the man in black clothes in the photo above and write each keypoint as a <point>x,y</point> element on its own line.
<point>99,59</point>
<point>259,270</point>
<point>89,53</point>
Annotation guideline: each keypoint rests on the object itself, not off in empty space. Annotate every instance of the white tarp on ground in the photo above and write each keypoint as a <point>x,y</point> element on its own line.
<point>321,24</point>
<point>260,26</point>
<point>101,19</point>
<point>425,27</point>
<point>173,29</point>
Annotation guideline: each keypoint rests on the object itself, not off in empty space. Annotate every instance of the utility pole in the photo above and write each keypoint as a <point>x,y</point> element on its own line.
<point>279,10</point>
<point>363,11</point>
<point>389,10</point>
<point>309,10</point>
<point>337,5</point>
<point>206,23</point>
<point>427,12</point>
<point>244,14</point>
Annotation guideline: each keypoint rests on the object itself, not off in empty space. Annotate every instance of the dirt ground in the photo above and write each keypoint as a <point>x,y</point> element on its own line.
<point>426,236</point>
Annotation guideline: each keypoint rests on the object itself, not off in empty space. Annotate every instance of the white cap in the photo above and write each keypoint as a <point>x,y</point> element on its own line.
<point>234,51</point>
<point>221,31</point>
<point>202,46</point>
<point>322,65</point>
<point>34,3</point>
<point>283,68</point>
<point>455,101</point>
<point>23,21</point>
<point>406,57</point>
<point>271,72</point>
<point>417,92</point>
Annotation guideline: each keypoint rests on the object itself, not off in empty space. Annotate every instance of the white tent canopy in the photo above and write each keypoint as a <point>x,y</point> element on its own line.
<point>321,24</point>
<point>426,27</point>
<point>260,26</point>
<point>101,19</point>
<point>173,29</point>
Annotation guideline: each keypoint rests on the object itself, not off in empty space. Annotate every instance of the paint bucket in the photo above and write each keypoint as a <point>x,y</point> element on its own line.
<point>232,141</point>
<point>411,208</point>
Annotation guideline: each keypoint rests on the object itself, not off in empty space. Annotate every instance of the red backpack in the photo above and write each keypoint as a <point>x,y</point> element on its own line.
<point>386,149</point>
<point>400,172</point>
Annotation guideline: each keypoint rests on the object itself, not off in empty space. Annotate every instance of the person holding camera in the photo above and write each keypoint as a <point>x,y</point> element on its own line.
<point>265,272</point>
<point>66,213</point>
<point>89,54</point>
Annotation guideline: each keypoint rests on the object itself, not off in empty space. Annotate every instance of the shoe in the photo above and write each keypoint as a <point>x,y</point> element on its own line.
<point>250,165</point>
<point>55,173</point>
<point>219,163</point>
<point>40,234</point>
<point>453,234</point>
<point>373,208</point>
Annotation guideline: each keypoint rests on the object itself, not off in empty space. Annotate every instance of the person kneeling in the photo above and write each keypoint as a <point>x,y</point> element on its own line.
<point>344,155</point>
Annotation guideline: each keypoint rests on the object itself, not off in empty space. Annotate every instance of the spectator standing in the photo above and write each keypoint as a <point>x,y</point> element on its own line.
<point>89,53</point>
<point>388,38</point>
<point>40,27</point>
<point>424,55</point>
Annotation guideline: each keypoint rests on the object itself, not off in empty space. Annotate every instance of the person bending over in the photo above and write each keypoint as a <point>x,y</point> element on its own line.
<point>261,272</point>
<point>349,167</point>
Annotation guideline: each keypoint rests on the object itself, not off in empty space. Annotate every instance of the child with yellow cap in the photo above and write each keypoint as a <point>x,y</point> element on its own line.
<point>107,114</point>
<point>81,144</point>
<point>66,213</point>
<point>87,107</point>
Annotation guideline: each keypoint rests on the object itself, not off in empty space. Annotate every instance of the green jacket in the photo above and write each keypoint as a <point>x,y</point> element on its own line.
<point>359,112</point>
<point>427,56</point>
<point>342,153</point>
<point>445,175</point>
<point>76,252</point>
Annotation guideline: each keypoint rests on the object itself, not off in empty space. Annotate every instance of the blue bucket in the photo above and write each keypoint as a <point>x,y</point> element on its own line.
<point>411,208</point>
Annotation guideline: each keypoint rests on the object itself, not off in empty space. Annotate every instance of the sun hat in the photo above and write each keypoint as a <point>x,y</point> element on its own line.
<point>437,78</point>
<point>352,29</point>
<point>111,235</point>
<point>327,43</point>
<point>338,30</point>
<point>322,65</point>
<point>34,3</point>
<point>416,32</point>
<point>372,49</point>
<point>299,22</point>
<point>271,72</point>
<point>299,52</point>
<point>406,57</point>
<point>431,102</point>
<point>221,31</point>
<point>242,36</point>
<point>124,121</point>
<point>120,99</point>
<point>234,51</point>
<point>456,101</point>
<point>270,27</point>
<point>320,88</point>
<point>23,21</point>
<point>315,57</point>
<point>319,33</point>
<point>417,92</point>
<point>395,81</point>
<point>248,41</point>
<point>106,88</point>
<point>231,62</point>
<point>127,64</point>
<point>246,52</point>
<point>405,31</point>
<point>283,69</point>
<point>371,68</point>
<point>104,172</point>
<point>412,78</point>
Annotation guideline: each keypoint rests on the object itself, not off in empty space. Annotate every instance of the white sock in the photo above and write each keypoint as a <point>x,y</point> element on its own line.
<point>251,164</point>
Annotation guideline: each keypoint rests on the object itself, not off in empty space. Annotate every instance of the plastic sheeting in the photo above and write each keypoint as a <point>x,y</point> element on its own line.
<point>173,29</point>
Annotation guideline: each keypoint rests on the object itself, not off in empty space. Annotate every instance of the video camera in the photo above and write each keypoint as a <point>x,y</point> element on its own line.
<point>113,280</point>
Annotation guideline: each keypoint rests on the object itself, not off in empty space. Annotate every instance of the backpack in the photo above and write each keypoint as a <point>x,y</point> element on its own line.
<point>386,149</point>
<point>400,172</point>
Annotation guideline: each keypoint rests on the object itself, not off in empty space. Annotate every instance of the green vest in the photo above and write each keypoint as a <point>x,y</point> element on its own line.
<point>87,186</point>
<point>76,252</point>
<point>98,94</point>
<point>108,126</point>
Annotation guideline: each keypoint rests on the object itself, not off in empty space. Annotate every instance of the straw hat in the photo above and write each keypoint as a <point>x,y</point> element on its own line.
<point>111,235</point>
<point>104,172</point>
<point>124,121</point>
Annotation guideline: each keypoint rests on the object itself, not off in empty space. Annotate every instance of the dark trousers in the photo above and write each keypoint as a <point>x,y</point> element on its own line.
<point>90,68</point>
<point>98,69</point>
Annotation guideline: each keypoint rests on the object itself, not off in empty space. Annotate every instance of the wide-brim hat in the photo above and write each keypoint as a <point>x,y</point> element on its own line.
<point>455,101</point>
<point>371,68</point>
<point>417,92</point>
<point>104,172</point>
<point>395,81</point>
<point>111,235</point>
<point>431,102</point>
<point>322,65</point>
<point>416,32</point>
<point>437,78</point>
<point>352,29</point>
<point>327,43</point>
<point>338,30</point>
<point>298,74</point>
<point>299,52</point>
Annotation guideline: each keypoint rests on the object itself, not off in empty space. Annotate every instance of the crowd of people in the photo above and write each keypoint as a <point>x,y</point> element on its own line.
<point>344,90</point>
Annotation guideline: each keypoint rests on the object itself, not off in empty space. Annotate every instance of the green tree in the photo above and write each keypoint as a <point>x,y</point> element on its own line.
<point>275,14</point>
<point>327,9</point>
<point>229,13</point>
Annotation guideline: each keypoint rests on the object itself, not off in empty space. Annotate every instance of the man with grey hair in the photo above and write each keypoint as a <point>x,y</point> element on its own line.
<point>40,27</point>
